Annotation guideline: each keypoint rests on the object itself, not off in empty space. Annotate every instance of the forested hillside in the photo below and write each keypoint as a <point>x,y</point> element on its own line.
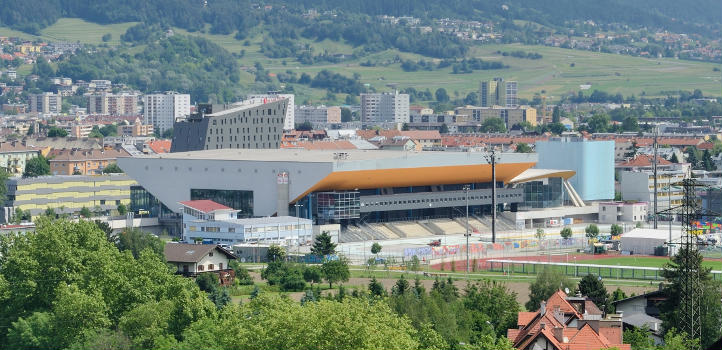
<point>226,16</point>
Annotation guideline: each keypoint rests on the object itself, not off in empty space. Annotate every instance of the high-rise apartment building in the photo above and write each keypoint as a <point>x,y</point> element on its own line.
<point>318,116</point>
<point>498,92</point>
<point>290,119</point>
<point>47,102</point>
<point>387,107</point>
<point>161,110</point>
<point>124,104</point>
<point>240,125</point>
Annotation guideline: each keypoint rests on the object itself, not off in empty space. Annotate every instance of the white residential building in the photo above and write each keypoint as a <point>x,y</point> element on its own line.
<point>639,186</point>
<point>161,110</point>
<point>289,123</point>
<point>387,107</point>
<point>617,212</point>
<point>46,103</point>
<point>214,223</point>
<point>318,115</point>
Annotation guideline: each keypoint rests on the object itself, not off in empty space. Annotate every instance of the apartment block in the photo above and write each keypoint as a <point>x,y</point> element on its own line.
<point>289,122</point>
<point>241,125</point>
<point>318,115</point>
<point>125,104</point>
<point>82,162</point>
<point>510,115</point>
<point>162,110</point>
<point>46,103</point>
<point>387,107</point>
<point>498,92</point>
<point>619,212</point>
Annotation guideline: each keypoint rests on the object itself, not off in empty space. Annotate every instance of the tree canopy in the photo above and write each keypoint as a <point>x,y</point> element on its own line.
<point>38,166</point>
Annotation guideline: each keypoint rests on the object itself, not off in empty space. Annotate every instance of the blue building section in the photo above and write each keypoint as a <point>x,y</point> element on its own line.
<point>592,160</point>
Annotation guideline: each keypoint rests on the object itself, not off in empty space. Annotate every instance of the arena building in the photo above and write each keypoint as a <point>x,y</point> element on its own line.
<point>350,187</point>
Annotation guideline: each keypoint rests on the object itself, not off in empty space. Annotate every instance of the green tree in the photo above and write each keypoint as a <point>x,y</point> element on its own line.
<point>592,287</point>
<point>136,241</point>
<point>275,253</point>
<point>346,115</point>
<point>375,248</point>
<point>38,166</point>
<point>107,37</point>
<point>322,245</point>
<point>444,129</point>
<point>54,131</point>
<point>335,271</point>
<point>242,276</point>
<point>707,162</point>
<point>639,338</point>
<point>271,322</point>
<point>616,230</point>
<point>4,176</point>
<point>674,158</point>
<point>598,123</point>
<point>491,125</point>
<point>112,168</point>
<point>122,209</point>
<point>376,288</point>
<point>85,212</point>
<point>540,234</point>
<point>592,231</point>
<point>522,147</point>
<point>547,282</point>
<point>401,287</point>
<point>441,95</point>
<point>674,340</point>
<point>692,157</point>
<point>312,274</point>
<point>566,233</point>
<point>675,273</point>
<point>556,115</point>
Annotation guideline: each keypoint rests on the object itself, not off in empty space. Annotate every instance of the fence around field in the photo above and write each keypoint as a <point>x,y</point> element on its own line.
<point>579,270</point>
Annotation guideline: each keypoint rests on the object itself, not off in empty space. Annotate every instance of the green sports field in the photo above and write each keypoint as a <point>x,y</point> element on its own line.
<point>643,261</point>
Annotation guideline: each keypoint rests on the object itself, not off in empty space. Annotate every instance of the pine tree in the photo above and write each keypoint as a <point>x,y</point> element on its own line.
<point>323,245</point>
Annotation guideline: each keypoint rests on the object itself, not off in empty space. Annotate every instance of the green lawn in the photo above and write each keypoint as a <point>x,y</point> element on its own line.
<point>645,261</point>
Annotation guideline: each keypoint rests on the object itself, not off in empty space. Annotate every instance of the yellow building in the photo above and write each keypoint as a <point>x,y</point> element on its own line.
<point>67,194</point>
<point>510,115</point>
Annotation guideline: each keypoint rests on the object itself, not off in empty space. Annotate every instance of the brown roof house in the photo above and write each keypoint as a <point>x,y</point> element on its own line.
<point>192,259</point>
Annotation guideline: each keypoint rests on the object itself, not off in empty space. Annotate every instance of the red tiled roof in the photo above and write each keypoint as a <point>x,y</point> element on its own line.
<point>422,134</point>
<point>205,205</point>
<point>524,318</point>
<point>320,145</point>
<point>67,155</point>
<point>643,160</point>
<point>705,146</point>
<point>160,146</point>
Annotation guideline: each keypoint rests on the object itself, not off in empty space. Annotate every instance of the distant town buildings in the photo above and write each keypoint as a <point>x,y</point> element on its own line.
<point>387,107</point>
<point>162,110</point>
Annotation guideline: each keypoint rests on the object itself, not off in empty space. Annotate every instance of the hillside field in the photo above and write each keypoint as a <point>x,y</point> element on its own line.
<point>553,75</point>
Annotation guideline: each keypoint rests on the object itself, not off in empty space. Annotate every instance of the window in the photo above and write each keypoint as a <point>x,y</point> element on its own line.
<point>200,267</point>
<point>210,267</point>
<point>220,266</point>
<point>210,254</point>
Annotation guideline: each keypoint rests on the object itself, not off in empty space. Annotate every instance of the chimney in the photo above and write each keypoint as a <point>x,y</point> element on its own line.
<point>559,334</point>
<point>543,308</point>
<point>543,325</point>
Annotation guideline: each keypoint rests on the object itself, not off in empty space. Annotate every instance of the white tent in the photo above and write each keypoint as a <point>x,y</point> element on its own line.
<point>644,240</point>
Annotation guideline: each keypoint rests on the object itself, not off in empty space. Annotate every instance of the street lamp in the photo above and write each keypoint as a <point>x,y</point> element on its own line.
<point>491,159</point>
<point>467,234</point>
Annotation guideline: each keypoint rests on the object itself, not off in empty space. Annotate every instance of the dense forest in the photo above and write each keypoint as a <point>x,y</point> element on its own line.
<point>227,16</point>
<point>182,63</point>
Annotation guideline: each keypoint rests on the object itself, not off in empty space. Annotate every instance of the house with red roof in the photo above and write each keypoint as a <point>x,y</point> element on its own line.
<point>567,323</point>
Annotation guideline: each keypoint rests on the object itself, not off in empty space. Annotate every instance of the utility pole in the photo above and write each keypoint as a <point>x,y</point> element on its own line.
<point>491,159</point>
<point>466,190</point>
<point>654,167</point>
